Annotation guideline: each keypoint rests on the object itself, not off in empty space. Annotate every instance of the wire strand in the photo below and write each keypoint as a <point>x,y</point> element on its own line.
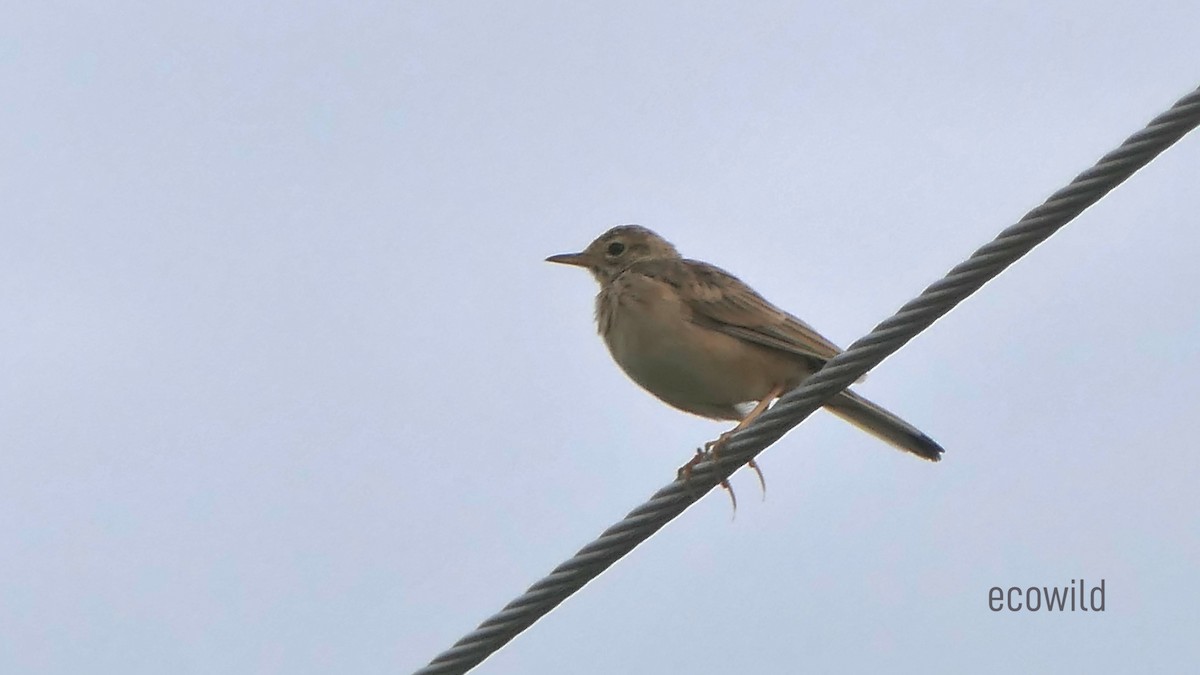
<point>840,372</point>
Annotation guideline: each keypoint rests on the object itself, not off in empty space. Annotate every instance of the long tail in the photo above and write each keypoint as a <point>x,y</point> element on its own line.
<point>884,425</point>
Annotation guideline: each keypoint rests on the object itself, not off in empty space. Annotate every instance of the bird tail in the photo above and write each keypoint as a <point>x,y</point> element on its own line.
<point>884,425</point>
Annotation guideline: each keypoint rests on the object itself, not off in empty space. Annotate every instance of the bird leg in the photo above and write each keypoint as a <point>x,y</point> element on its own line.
<point>712,449</point>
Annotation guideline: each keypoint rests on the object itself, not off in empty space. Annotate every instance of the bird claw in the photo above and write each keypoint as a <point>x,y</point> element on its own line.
<point>762,482</point>
<point>685,472</point>
<point>732,498</point>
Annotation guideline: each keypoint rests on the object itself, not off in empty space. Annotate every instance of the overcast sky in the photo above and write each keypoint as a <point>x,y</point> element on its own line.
<point>286,386</point>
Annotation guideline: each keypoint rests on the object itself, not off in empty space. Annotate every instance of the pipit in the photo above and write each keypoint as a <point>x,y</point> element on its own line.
<point>702,341</point>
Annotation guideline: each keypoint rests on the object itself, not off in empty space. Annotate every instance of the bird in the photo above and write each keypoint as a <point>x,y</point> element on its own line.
<point>702,341</point>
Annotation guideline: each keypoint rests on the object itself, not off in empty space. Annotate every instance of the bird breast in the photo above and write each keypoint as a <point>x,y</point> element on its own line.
<point>649,330</point>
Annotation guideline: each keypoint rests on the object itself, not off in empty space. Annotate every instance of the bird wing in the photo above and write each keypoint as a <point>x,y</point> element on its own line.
<point>721,301</point>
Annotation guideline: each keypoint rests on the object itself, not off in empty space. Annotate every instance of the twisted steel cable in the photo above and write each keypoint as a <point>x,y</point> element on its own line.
<point>839,373</point>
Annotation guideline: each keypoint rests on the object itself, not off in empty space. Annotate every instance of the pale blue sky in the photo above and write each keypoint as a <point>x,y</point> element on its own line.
<point>285,386</point>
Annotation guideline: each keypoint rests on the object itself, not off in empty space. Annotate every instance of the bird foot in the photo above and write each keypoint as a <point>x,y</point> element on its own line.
<point>702,454</point>
<point>713,448</point>
<point>711,452</point>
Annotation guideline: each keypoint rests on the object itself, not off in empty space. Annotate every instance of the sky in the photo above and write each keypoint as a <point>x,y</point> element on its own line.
<point>286,385</point>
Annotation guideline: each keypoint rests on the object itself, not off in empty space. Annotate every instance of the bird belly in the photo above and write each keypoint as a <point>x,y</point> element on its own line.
<point>689,366</point>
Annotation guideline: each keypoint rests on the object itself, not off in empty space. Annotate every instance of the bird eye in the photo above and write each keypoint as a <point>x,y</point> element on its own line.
<point>616,248</point>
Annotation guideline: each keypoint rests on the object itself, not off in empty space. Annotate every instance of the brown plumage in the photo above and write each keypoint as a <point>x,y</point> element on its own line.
<point>699,339</point>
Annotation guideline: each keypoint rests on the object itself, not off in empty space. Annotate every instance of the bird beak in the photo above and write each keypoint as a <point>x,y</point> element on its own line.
<point>577,259</point>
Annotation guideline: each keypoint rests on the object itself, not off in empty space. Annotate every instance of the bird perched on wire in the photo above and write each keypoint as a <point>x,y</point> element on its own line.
<point>702,341</point>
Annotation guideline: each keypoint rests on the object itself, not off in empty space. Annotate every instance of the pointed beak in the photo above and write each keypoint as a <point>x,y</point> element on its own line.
<point>577,259</point>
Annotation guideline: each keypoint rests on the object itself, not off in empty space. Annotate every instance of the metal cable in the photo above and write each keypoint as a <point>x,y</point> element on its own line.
<point>839,373</point>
